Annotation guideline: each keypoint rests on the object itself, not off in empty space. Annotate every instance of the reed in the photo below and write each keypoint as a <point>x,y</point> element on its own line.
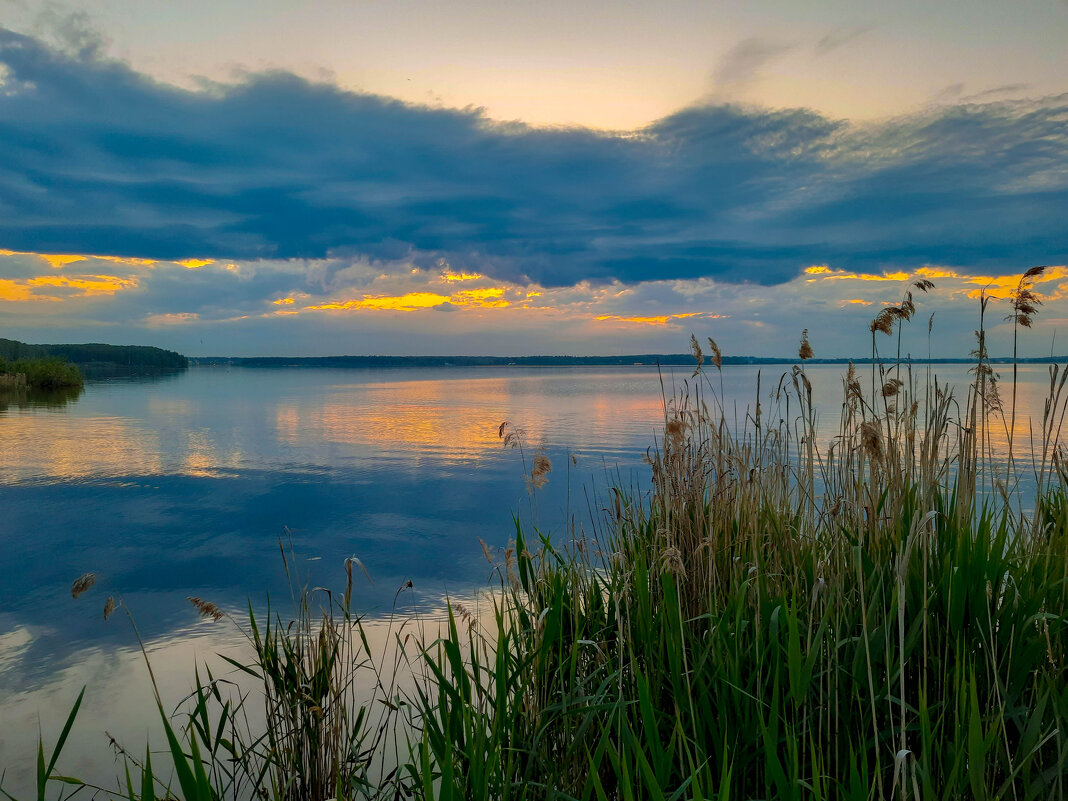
<point>882,617</point>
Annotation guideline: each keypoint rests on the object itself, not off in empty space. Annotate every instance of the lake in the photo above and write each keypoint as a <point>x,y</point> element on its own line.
<point>185,485</point>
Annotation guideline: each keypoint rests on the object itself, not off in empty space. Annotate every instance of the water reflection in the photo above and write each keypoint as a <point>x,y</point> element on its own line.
<point>217,420</point>
<point>458,419</point>
<point>97,371</point>
<point>38,398</point>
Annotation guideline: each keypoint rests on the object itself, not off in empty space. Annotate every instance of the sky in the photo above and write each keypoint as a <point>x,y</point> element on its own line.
<point>415,177</point>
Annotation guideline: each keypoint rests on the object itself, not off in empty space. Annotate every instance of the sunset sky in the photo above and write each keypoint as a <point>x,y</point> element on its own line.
<point>261,178</point>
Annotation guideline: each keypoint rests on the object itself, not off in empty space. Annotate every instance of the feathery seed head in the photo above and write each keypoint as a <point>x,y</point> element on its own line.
<point>675,432</point>
<point>884,321</point>
<point>82,583</point>
<point>892,387</point>
<point>206,608</point>
<point>871,440</point>
<point>539,471</point>
<point>698,355</point>
<point>672,562</point>
<point>717,356</point>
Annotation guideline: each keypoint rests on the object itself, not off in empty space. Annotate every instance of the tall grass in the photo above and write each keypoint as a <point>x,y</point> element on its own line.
<point>325,711</point>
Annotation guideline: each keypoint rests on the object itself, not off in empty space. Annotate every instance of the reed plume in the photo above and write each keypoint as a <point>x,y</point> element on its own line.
<point>82,583</point>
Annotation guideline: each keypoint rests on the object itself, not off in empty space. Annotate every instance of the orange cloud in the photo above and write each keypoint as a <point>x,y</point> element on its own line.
<point>838,275</point>
<point>1001,286</point>
<point>857,301</point>
<point>60,260</point>
<point>491,296</point>
<point>408,302</point>
<point>195,264</point>
<point>26,289</point>
<point>171,319</point>
<point>662,319</point>
<point>462,276</point>
<point>56,260</point>
<point>130,260</point>
<point>487,297</point>
<point>283,301</point>
<point>89,284</point>
<point>19,291</point>
<point>936,272</point>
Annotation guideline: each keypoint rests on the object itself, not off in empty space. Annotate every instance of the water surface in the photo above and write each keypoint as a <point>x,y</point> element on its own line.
<point>184,485</point>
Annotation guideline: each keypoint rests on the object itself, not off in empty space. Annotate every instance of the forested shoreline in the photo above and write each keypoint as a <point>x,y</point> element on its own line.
<point>94,353</point>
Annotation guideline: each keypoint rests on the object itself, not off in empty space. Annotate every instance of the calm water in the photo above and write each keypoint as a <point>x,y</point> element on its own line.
<point>183,485</point>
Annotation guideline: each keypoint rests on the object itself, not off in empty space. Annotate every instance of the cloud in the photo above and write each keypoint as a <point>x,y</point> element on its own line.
<point>996,91</point>
<point>171,319</point>
<point>294,186</point>
<point>659,319</point>
<point>840,37</point>
<point>955,93</point>
<point>72,32</point>
<point>950,93</point>
<point>742,63</point>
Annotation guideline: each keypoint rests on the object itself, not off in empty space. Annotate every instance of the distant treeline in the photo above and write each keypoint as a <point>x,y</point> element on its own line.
<point>94,353</point>
<point>537,361</point>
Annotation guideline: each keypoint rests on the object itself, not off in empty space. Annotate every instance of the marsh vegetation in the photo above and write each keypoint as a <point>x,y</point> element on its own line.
<point>39,374</point>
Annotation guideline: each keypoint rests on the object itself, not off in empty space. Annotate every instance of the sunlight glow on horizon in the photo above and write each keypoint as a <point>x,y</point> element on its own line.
<point>647,316</point>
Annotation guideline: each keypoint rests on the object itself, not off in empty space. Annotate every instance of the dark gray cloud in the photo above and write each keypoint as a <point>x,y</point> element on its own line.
<point>96,158</point>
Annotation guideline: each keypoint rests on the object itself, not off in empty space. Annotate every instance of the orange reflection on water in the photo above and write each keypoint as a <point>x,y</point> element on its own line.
<point>63,447</point>
<point>411,417</point>
<point>59,446</point>
<point>458,418</point>
<point>1031,394</point>
<point>287,421</point>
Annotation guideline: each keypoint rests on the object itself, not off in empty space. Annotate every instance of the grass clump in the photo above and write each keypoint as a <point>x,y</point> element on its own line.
<point>44,374</point>
<point>880,618</point>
